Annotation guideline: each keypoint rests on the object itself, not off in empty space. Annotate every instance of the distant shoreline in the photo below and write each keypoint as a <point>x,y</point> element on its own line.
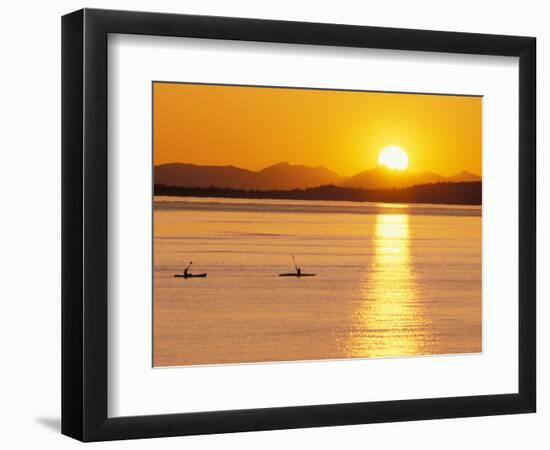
<point>444,193</point>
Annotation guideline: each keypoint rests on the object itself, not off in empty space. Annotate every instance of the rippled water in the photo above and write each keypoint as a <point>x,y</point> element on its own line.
<point>391,280</point>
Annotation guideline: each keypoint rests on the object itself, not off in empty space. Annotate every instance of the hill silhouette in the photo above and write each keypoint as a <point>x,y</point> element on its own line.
<point>461,193</point>
<point>278,176</point>
<point>383,178</point>
<point>285,176</point>
<point>464,176</point>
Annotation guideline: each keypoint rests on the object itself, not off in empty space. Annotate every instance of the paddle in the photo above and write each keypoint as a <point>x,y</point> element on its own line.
<point>295,265</point>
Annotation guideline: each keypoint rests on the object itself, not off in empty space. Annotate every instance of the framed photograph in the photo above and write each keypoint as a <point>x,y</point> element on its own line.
<point>272,224</point>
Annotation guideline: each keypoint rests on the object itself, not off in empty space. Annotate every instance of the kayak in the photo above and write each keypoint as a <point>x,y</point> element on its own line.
<point>191,275</point>
<point>294,274</point>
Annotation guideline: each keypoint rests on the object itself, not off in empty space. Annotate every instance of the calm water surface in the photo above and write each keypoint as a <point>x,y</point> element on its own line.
<point>392,280</point>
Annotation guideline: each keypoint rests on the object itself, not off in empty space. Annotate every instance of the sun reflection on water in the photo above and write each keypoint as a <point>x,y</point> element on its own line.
<point>389,318</point>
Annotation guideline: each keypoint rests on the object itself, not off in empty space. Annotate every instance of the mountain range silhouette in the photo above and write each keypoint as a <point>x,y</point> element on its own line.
<point>285,176</point>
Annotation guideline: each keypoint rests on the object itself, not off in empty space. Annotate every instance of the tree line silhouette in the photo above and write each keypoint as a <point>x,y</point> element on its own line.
<point>462,193</point>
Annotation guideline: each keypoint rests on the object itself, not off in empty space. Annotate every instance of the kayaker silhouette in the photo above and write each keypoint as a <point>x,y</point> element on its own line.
<point>298,271</point>
<point>187,273</point>
<point>186,270</point>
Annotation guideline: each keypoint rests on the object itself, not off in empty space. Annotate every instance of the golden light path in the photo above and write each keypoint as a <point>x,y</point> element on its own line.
<point>390,317</point>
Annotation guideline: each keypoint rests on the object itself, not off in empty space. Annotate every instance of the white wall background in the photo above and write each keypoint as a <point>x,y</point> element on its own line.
<point>30,229</point>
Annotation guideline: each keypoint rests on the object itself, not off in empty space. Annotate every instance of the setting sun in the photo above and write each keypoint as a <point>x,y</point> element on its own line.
<point>393,157</point>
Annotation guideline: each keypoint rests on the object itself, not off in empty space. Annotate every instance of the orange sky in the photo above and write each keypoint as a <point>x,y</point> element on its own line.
<point>254,127</point>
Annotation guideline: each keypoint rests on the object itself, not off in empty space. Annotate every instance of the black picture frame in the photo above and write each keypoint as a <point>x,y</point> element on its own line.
<point>84,224</point>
